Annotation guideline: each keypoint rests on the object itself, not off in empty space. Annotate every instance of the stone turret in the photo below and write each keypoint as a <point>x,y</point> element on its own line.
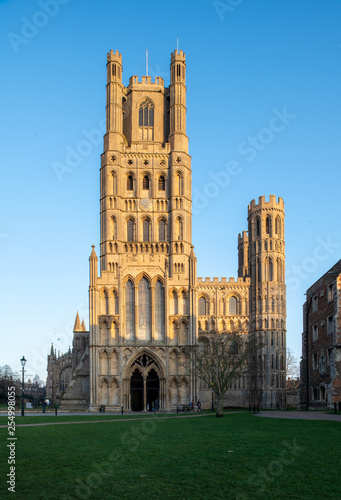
<point>267,296</point>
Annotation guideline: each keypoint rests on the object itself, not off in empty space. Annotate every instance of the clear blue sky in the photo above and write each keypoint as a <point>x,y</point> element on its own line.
<point>246,62</point>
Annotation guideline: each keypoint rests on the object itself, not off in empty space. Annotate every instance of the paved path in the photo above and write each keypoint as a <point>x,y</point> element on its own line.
<point>158,417</point>
<point>300,415</point>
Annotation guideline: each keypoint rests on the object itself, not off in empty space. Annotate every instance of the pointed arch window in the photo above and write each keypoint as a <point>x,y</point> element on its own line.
<point>232,305</point>
<point>130,183</point>
<point>184,302</point>
<point>145,182</point>
<point>162,183</point>
<point>115,302</point>
<point>259,270</point>
<point>130,230</point>
<point>268,225</point>
<point>257,226</point>
<point>279,270</point>
<point>106,302</point>
<point>159,311</point>
<point>175,309</point>
<point>146,230</point>
<point>114,183</point>
<point>114,228</point>
<point>278,225</point>
<point>179,228</point>
<point>202,306</point>
<point>144,329</point>
<point>130,310</point>
<point>270,270</point>
<point>179,183</point>
<point>146,114</point>
<point>162,230</point>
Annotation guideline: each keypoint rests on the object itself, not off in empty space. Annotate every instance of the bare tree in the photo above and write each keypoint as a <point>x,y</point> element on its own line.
<point>292,364</point>
<point>219,360</point>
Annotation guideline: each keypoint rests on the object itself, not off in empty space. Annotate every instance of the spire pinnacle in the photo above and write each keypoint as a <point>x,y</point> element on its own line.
<point>93,253</point>
<point>78,326</point>
<point>83,326</point>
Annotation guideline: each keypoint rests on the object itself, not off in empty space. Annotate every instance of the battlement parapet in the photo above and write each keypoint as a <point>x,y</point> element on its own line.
<point>178,55</point>
<point>146,80</point>
<point>263,204</point>
<point>114,56</point>
<point>223,281</point>
<point>243,237</point>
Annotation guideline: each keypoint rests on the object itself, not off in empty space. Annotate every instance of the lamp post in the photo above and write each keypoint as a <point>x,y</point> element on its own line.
<point>23,362</point>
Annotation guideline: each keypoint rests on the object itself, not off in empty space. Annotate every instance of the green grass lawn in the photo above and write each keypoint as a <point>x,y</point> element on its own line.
<point>240,456</point>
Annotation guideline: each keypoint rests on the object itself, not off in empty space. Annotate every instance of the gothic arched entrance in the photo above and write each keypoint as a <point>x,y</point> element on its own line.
<point>145,384</point>
<point>136,390</point>
<point>152,389</point>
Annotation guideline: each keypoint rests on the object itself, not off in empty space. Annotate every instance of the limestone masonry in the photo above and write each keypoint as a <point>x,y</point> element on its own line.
<point>148,308</point>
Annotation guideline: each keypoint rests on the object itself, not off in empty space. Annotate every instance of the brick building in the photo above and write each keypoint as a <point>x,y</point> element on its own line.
<point>321,343</point>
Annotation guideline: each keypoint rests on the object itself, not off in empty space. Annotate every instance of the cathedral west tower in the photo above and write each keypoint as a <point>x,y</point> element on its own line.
<point>147,308</point>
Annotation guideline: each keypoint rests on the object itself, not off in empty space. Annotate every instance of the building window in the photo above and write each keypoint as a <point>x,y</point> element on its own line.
<point>114,228</point>
<point>106,302</point>
<point>257,226</point>
<point>315,361</point>
<point>330,325</point>
<point>315,304</point>
<point>146,230</point>
<point>330,292</point>
<point>202,306</point>
<point>144,310</point>
<point>130,311</point>
<point>322,365</point>
<point>114,183</point>
<point>162,183</point>
<point>116,310</point>
<point>179,183</point>
<point>130,230</point>
<point>179,228</point>
<point>278,225</point>
<point>232,305</point>
<point>259,270</point>
<point>162,230</point>
<point>269,269</point>
<point>130,183</point>
<point>159,311</point>
<point>279,270</point>
<point>315,394</point>
<point>145,183</point>
<point>315,333</point>
<point>268,225</point>
<point>146,114</point>
<point>233,347</point>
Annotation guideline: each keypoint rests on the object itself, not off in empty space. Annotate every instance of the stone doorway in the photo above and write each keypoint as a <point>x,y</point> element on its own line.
<point>152,389</point>
<point>145,384</point>
<point>136,389</point>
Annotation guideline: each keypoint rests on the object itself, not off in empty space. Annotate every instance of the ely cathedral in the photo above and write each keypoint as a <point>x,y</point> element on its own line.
<point>147,307</point>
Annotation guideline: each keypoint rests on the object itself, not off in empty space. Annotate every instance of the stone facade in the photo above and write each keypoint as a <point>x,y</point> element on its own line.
<point>320,367</point>
<point>147,307</point>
